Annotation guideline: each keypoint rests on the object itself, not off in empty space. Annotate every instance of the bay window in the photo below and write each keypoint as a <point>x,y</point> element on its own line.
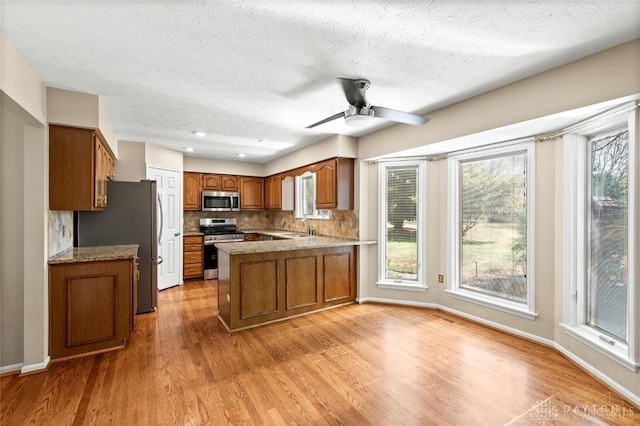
<point>401,218</point>
<point>491,227</point>
<point>601,192</point>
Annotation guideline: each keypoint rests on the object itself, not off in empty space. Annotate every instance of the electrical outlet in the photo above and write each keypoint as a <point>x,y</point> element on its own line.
<point>440,278</point>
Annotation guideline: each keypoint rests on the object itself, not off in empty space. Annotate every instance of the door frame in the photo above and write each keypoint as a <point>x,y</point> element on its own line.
<point>180,215</point>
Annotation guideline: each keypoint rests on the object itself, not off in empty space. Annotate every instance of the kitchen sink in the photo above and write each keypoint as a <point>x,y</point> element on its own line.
<point>292,235</point>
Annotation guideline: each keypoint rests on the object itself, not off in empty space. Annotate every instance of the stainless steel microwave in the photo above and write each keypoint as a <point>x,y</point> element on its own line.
<point>216,201</point>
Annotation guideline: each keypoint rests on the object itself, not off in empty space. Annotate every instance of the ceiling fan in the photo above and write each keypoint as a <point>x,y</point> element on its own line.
<point>361,112</point>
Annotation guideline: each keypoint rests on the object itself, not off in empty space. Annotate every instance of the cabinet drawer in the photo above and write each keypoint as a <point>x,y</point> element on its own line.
<point>193,240</point>
<point>192,247</point>
<point>193,257</point>
<point>193,270</point>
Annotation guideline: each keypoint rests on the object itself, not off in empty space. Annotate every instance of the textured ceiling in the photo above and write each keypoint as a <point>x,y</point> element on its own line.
<point>243,71</point>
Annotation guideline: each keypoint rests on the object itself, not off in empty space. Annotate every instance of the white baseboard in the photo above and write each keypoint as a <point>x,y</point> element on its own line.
<point>32,368</point>
<point>398,302</point>
<point>635,399</point>
<point>597,373</point>
<point>11,368</point>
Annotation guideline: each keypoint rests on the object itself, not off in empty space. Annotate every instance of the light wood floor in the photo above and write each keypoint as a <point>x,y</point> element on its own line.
<point>359,364</point>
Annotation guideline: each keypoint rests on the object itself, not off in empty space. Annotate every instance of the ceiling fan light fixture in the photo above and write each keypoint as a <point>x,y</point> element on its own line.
<point>358,120</point>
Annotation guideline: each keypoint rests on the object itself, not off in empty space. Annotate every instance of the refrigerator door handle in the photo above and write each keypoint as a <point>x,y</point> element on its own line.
<point>161,221</point>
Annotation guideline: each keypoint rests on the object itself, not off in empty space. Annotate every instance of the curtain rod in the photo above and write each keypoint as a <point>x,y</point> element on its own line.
<point>628,106</point>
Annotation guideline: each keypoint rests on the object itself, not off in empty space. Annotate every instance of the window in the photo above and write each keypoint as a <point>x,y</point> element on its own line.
<point>608,231</point>
<point>490,227</point>
<point>601,189</point>
<point>402,207</point>
<point>306,198</point>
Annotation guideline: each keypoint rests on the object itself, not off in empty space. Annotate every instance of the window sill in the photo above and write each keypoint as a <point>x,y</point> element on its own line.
<point>617,352</point>
<point>314,217</point>
<point>494,303</point>
<point>404,285</point>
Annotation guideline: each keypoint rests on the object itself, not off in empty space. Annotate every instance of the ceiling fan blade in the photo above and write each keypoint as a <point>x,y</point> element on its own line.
<point>399,116</point>
<point>354,90</point>
<point>326,120</point>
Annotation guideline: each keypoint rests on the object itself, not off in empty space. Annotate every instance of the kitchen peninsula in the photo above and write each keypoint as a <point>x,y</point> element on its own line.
<point>265,281</point>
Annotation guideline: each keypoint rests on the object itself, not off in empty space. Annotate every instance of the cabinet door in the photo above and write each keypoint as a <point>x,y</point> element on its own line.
<point>334,184</point>
<point>192,191</point>
<point>326,188</point>
<point>273,192</point>
<point>101,171</point>
<point>111,170</point>
<point>91,306</point>
<point>251,193</point>
<point>211,182</point>
<point>229,182</point>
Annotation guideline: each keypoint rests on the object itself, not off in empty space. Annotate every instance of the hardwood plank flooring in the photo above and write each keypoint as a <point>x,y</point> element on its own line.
<point>354,365</point>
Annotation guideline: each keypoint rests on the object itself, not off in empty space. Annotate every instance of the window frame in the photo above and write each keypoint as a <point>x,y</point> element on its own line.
<point>454,206</point>
<point>576,236</point>
<point>299,199</point>
<point>420,284</point>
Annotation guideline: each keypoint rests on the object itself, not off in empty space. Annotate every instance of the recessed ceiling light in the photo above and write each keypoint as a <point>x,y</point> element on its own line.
<point>189,149</point>
<point>199,133</point>
<point>241,155</point>
<point>262,141</point>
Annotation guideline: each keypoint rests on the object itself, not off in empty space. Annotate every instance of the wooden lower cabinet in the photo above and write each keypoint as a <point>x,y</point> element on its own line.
<point>91,306</point>
<point>193,257</point>
<point>259,288</point>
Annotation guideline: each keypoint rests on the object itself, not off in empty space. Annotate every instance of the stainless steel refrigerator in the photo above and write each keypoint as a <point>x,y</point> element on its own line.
<point>130,218</point>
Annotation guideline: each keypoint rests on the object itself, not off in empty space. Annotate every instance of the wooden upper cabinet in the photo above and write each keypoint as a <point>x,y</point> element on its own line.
<point>214,182</point>
<point>192,187</point>
<point>210,182</point>
<point>102,173</point>
<point>273,192</point>
<point>251,193</point>
<point>80,164</point>
<point>229,182</point>
<point>334,184</point>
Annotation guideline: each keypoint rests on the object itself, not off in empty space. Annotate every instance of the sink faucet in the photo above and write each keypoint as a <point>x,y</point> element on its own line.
<point>310,230</point>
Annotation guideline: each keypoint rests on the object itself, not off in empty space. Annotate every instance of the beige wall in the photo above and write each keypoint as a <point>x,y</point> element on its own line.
<point>608,75</point>
<point>20,82</point>
<point>69,108</point>
<point>23,239</point>
<point>11,241</point>
<point>334,146</point>
<point>24,157</point>
<point>130,165</point>
<point>135,157</point>
<point>158,156</point>
<point>588,81</point>
<point>206,165</point>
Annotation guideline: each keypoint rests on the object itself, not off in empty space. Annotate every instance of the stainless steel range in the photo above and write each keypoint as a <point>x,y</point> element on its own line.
<point>217,230</point>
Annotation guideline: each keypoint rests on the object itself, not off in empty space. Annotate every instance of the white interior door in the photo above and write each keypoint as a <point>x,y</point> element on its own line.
<point>169,194</point>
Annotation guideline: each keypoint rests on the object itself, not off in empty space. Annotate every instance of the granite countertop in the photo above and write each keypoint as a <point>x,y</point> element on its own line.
<point>302,242</point>
<point>95,254</point>
<point>192,233</point>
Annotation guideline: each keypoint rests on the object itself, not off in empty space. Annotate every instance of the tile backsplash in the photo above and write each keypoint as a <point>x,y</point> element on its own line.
<point>342,223</point>
<point>60,232</point>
